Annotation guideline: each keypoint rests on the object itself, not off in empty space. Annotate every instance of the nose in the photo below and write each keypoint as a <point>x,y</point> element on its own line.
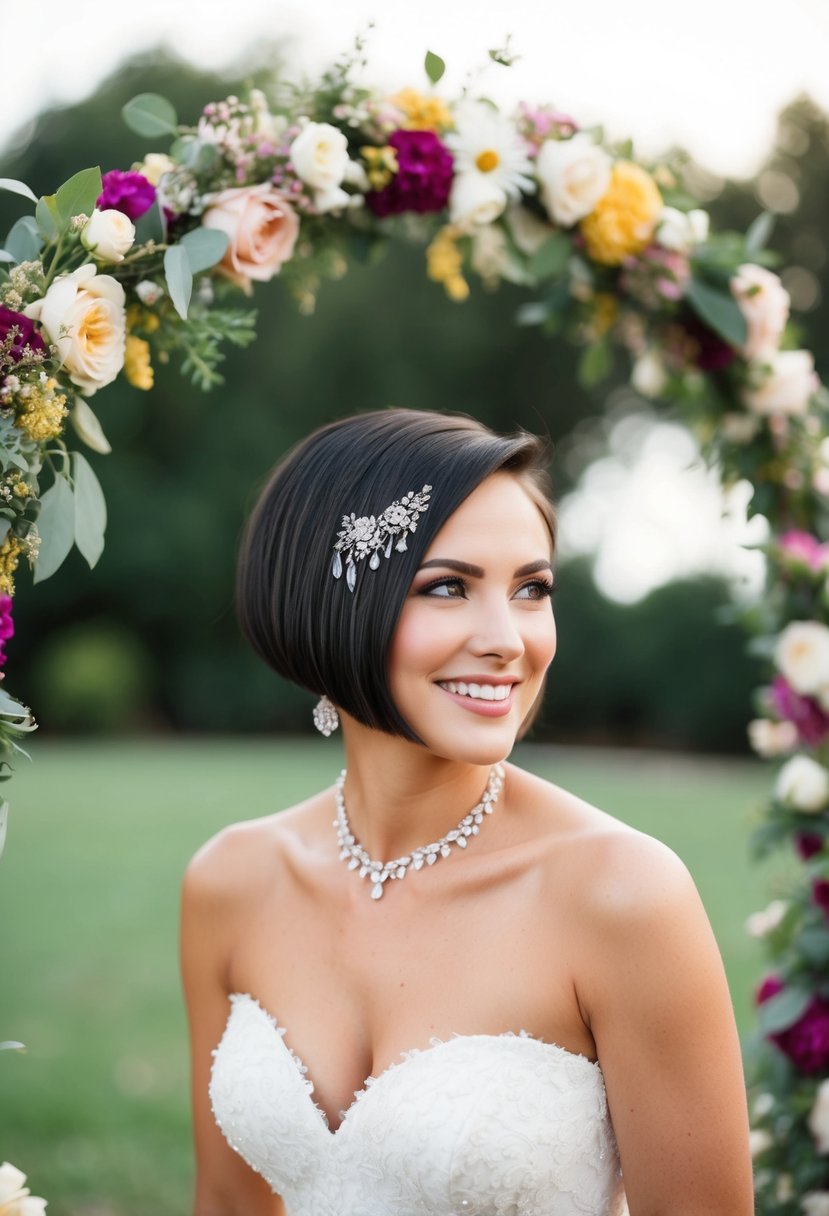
<point>496,633</point>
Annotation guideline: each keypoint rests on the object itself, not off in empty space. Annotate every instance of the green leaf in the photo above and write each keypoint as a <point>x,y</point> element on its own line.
<point>719,311</point>
<point>79,195</point>
<point>179,278</point>
<point>550,259</point>
<point>150,115</point>
<point>56,526</point>
<point>15,187</point>
<point>205,247</point>
<point>813,944</point>
<point>24,242</point>
<point>5,256</point>
<point>4,815</point>
<point>12,1045</point>
<point>595,364</point>
<point>783,1010</point>
<point>434,65</point>
<point>151,226</point>
<point>88,427</point>
<point>759,232</point>
<point>90,510</point>
<point>47,217</point>
<point>534,313</point>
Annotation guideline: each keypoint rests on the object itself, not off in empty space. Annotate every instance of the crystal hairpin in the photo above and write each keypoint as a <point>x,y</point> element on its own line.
<point>364,536</point>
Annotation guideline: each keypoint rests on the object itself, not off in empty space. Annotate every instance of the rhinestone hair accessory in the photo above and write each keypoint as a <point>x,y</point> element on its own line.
<point>364,536</point>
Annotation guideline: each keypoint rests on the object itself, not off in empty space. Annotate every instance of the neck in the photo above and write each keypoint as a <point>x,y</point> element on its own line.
<point>400,796</point>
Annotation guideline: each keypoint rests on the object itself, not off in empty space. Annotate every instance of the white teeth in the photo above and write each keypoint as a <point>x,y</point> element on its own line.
<point>479,692</point>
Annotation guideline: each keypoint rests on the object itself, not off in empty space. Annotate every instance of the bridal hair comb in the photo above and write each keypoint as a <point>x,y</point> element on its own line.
<point>364,536</point>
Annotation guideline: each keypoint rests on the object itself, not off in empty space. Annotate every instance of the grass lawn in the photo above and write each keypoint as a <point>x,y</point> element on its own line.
<point>96,1111</point>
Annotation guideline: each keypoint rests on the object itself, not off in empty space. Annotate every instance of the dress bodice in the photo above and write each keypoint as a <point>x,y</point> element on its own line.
<point>476,1125</point>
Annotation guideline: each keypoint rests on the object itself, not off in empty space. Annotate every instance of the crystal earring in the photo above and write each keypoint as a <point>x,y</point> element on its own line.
<point>326,718</point>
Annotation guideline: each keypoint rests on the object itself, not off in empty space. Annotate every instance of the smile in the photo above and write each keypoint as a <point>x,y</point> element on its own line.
<point>478,692</point>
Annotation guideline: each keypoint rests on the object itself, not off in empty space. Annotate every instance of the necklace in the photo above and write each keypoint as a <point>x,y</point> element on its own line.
<point>379,871</point>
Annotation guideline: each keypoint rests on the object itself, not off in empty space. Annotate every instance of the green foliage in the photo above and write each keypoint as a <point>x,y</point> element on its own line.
<point>150,115</point>
<point>57,523</point>
<point>90,510</point>
<point>719,310</point>
<point>434,66</point>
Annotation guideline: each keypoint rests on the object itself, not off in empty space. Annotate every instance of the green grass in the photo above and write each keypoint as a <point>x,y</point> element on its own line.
<point>96,1112</point>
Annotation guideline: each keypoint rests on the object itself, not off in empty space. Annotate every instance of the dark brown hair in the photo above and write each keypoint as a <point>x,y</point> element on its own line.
<point>305,623</point>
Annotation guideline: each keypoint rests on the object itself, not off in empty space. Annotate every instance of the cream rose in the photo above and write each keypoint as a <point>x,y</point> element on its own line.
<point>819,1118</point>
<point>681,230</point>
<point>815,1203</point>
<point>772,738</point>
<point>802,656</point>
<point>108,234</point>
<point>262,227</point>
<point>154,166</point>
<point>475,199</point>
<point>319,155</point>
<point>573,174</point>
<point>648,375</point>
<point>803,784</point>
<point>15,1197</point>
<point>758,1141</point>
<point>787,386</point>
<point>764,302</point>
<point>83,316</point>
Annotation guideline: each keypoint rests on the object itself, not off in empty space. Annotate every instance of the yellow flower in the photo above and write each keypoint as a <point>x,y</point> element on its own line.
<point>10,552</point>
<point>137,366</point>
<point>605,311</point>
<point>624,219</point>
<point>423,113</point>
<point>42,412</point>
<point>381,165</point>
<point>444,263</point>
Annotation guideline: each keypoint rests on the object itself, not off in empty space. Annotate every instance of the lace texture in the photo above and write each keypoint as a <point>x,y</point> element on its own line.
<point>476,1125</point>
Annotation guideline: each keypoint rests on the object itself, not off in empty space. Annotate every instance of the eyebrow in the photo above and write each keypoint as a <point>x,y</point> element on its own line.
<point>449,563</point>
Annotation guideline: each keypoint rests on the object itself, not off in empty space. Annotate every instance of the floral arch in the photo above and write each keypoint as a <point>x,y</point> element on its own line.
<point>112,273</point>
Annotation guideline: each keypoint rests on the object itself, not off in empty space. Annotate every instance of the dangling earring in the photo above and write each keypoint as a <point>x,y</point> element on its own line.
<point>326,718</point>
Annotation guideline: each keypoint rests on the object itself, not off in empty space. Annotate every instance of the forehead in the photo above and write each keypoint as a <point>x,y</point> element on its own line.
<point>499,514</point>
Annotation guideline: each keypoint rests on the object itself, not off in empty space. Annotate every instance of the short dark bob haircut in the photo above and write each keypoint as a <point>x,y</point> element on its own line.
<point>302,621</point>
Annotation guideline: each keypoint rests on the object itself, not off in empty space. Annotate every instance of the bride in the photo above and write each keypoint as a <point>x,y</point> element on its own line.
<point>443,985</point>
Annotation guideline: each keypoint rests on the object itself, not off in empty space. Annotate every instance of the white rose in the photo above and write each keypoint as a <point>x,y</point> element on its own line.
<point>319,155</point>
<point>15,1199</point>
<point>526,229</point>
<point>765,303</point>
<point>108,234</point>
<point>770,739</point>
<point>12,1180</point>
<point>573,174</point>
<point>475,199</point>
<point>815,1203</point>
<point>787,386</point>
<point>154,166</point>
<point>759,1141</point>
<point>83,316</point>
<point>760,924</point>
<point>648,375</point>
<point>334,199</point>
<point>802,783</point>
<point>681,230</point>
<point>802,656</point>
<point>819,1118</point>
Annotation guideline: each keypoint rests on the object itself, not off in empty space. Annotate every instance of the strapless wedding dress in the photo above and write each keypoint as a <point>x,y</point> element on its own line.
<point>477,1125</point>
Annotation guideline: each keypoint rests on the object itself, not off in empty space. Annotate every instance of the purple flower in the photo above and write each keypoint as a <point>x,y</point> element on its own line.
<point>820,895</point>
<point>26,334</point>
<point>129,192</point>
<point>713,354</point>
<point>811,721</point>
<point>423,178</point>
<point>6,626</point>
<point>806,1041</point>
<point>807,844</point>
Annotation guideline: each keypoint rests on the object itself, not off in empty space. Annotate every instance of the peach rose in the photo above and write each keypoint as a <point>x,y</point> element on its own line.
<point>785,385</point>
<point>263,228</point>
<point>764,302</point>
<point>83,315</point>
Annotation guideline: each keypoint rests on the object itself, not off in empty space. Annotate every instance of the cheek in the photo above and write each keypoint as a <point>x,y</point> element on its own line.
<point>541,639</point>
<point>419,643</point>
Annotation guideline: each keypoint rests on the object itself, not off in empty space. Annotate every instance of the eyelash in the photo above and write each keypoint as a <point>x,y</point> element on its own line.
<point>546,590</point>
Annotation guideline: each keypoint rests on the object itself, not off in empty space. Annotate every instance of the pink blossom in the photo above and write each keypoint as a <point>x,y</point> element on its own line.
<point>802,546</point>
<point>811,720</point>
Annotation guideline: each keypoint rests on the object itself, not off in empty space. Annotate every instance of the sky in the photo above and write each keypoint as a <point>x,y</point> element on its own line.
<point>710,76</point>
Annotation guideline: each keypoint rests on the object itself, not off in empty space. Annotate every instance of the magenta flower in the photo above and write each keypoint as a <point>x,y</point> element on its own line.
<point>807,844</point>
<point>820,895</point>
<point>26,334</point>
<point>811,721</point>
<point>6,627</point>
<point>806,1041</point>
<point>802,547</point>
<point>423,178</point>
<point>713,354</point>
<point>129,192</point>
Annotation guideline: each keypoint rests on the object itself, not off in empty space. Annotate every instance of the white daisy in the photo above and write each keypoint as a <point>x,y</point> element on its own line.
<point>487,143</point>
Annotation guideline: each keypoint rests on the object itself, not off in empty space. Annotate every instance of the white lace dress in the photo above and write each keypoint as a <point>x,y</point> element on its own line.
<point>478,1125</point>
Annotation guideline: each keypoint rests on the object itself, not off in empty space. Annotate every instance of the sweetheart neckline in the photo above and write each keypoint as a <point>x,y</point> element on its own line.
<point>406,1056</point>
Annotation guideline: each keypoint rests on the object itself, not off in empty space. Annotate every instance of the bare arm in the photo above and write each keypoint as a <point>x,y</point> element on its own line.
<point>659,1009</point>
<point>225,1184</point>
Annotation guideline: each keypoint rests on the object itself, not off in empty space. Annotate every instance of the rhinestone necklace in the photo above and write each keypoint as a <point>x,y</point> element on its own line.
<point>427,854</point>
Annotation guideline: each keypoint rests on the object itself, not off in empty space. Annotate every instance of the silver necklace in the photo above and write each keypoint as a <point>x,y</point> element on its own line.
<point>380,871</point>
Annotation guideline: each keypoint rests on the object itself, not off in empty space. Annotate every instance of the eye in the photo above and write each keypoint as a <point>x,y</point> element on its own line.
<point>538,589</point>
<point>445,589</point>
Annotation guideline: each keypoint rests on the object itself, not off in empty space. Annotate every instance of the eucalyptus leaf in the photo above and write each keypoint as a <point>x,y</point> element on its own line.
<point>719,310</point>
<point>56,527</point>
<point>90,510</point>
<point>550,259</point>
<point>15,187</point>
<point>24,242</point>
<point>4,815</point>
<point>79,195</point>
<point>5,256</point>
<point>595,364</point>
<point>759,232</point>
<point>534,313</point>
<point>179,278</point>
<point>12,1045</point>
<point>783,1010</point>
<point>151,226</point>
<point>205,247</point>
<point>88,427</point>
<point>434,65</point>
<point>150,114</point>
<point>46,216</point>
<point>813,944</point>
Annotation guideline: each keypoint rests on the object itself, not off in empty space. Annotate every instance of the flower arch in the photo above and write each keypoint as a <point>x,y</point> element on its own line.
<point>112,273</point>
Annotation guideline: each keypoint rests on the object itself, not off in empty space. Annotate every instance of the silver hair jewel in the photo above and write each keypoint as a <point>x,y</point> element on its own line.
<point>364,536</point>
<point>326,718</point>
<point>380,871</point>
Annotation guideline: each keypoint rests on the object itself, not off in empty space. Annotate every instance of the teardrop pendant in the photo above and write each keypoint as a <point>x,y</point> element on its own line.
<point>374,560</point>
<point>351,576</point>
<point>389,543</point>
<point>377,891</point>
<point>337,565</point>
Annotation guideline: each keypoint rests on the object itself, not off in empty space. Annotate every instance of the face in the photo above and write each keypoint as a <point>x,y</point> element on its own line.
<point>476,633</point>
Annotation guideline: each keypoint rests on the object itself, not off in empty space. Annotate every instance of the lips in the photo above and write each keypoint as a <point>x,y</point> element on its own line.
<point>491,698</point>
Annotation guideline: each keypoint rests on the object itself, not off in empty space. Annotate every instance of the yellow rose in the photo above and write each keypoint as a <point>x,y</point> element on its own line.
<point>624,219</point>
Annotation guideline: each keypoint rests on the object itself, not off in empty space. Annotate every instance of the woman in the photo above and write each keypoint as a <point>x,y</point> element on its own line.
<point>444,985</point>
